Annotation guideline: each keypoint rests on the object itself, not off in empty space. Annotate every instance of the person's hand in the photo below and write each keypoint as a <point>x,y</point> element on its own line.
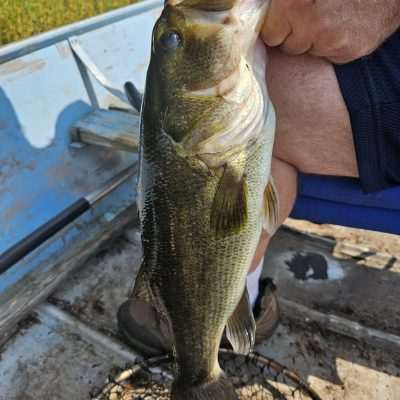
<point>339,30</point>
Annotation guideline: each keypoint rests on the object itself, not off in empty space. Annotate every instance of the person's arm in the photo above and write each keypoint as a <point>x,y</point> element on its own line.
<point>339,30</point>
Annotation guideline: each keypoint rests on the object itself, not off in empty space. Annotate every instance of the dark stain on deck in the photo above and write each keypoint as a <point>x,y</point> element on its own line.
<point>306,266</point>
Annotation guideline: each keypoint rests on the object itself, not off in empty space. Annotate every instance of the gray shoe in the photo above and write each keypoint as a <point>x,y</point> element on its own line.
<point>144,330</point>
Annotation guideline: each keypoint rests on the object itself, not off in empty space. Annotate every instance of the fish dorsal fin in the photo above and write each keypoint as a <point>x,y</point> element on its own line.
<point>229,210</point>
<point>241,327</point>
<point>271,208</point>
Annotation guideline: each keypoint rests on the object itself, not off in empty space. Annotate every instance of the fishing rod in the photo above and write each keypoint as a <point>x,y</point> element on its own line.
<point>31,242</point>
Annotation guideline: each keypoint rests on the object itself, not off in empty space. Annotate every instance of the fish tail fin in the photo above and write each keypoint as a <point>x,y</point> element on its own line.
<point>218,389</point>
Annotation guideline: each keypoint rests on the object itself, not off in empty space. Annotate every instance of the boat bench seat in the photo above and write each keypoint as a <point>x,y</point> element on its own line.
<point>117,129</point>
<point>341,201</point>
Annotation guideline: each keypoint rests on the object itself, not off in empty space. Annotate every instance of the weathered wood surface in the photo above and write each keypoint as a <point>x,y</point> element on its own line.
<point>306,273</point>
<point>108,128</point>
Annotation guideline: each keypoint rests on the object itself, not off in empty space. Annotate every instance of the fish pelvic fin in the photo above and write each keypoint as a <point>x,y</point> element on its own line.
<point>241,327</point>
<point>218,389</point>
<point>271,208</point>
<point>229,210</point>
<point>142,291</point>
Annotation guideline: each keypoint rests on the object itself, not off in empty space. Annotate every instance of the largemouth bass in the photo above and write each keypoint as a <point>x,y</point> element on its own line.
<point>205,192</point>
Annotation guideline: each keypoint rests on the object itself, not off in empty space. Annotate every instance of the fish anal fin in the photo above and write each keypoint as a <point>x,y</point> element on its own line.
<point>142,291</point>
<point>241,327</point>
<point>229,210</point>
<point>271,208</point>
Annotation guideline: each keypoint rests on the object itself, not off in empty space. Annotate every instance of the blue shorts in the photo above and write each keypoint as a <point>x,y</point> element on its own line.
<point>371,91</point>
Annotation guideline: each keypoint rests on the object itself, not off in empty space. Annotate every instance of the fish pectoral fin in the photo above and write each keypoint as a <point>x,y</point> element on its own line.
<point>241,327</point>
<point>229,209</point>
<point>271,208</point>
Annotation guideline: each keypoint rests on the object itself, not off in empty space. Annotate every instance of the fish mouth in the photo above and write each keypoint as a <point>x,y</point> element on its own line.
<point>204,5</point>
<point>217,5</point>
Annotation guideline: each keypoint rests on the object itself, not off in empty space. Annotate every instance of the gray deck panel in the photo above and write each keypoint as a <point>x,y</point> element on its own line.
<point>55,364</point>
<point>363,294</point>
<point>52,363</point>
<point>337,367</point>
<point>94,293</point>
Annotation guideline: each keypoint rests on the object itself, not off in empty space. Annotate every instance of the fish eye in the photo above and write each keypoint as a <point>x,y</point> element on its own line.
<point>170,40</point>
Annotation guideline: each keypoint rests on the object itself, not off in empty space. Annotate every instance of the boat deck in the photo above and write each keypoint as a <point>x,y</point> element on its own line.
<point>68,347</point>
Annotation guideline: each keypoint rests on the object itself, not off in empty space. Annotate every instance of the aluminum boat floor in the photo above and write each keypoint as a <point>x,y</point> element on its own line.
<point>70,345</point>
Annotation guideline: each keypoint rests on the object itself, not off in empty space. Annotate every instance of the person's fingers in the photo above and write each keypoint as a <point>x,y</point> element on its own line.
<point>296,44</point>
<point>300,40</point>
<point>276,26</point>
